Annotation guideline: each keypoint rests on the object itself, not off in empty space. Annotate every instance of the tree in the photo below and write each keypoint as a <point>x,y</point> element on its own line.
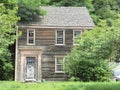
<point>76,3</point>
<point>118,6</point>
<point>88,61</point>
<point>29,10</point>
<point>104,9</point>
<point>8,27</point>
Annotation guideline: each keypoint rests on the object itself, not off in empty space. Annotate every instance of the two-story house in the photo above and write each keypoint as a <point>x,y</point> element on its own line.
<point>43,44</point>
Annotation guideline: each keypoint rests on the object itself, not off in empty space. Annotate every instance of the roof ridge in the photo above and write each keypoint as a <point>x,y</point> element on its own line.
<point>62,7</point>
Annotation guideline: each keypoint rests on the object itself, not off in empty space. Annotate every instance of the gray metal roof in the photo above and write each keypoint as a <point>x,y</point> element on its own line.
<point>65,17</point>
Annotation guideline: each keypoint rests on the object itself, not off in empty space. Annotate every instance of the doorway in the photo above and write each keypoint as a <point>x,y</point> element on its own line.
<point>31,68</point>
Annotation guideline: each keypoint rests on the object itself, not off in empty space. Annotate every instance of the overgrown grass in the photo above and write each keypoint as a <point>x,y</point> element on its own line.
<point>6,85</point>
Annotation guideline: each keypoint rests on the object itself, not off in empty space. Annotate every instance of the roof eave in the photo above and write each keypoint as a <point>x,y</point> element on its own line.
<point>58,27</point>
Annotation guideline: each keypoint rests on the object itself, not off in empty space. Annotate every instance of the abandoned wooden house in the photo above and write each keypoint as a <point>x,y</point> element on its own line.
<point>43,44</point>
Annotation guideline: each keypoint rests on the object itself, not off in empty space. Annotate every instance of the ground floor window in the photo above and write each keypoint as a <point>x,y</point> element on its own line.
<point>59,64</point>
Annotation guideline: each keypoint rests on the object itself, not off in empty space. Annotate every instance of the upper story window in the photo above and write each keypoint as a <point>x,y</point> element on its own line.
<point>60,37</point>
<point>31,36</point>
<point>76,33</point>
<point>59,64</point>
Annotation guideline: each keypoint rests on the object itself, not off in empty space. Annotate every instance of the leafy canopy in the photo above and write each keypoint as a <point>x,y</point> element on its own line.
<point>67,3</point>
<point>29,10</point>
<point>104,9</point>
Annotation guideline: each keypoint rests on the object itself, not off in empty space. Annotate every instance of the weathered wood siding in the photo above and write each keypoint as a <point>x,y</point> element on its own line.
<point>45,39</point>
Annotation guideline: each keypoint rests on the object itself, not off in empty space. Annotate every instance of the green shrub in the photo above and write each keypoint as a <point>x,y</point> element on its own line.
<point>88,70</point>
<point>6,67</point>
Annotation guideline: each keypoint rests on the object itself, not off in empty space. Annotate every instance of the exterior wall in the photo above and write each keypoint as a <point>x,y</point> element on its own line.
<point>45,37</point>
<point>44,41</point>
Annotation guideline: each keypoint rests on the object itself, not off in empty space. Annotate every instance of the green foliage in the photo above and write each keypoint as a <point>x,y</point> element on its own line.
<point>104,9</point>
<point>118,6</point>
<point>89,70</point>
<point>8,27</point>
<point>29,10</point>
<point>6,67</point>
<point>88,60</point>
<point>76,3</point>
<point>9,4</point>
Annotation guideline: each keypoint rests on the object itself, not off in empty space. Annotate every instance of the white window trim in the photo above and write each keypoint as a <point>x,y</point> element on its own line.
<point>74,35</point>
<point>63,37</point>
<point>56,64</point>
<point>28,37</point>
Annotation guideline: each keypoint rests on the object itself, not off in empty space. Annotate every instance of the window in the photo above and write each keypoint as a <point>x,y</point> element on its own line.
<point>31,36</point>
<point>60,37</point>
<point>59,64</point>
<point>75,35</point>
<point>30,60</point>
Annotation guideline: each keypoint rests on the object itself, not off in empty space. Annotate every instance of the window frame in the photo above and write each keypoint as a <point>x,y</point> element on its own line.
<point>28,37</point>
<point>56,38</point>
<point>75,36</point>
<point>63,64</point>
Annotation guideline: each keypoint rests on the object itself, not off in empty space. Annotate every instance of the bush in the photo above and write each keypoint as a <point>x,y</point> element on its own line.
<point>6,67</point>
<point>88,70</point>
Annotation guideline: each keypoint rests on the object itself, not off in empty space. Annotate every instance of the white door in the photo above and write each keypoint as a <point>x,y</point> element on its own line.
<point>30,68</point>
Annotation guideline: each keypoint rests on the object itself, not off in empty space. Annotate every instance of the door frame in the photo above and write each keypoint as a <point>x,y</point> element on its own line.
<point>30,53</point>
